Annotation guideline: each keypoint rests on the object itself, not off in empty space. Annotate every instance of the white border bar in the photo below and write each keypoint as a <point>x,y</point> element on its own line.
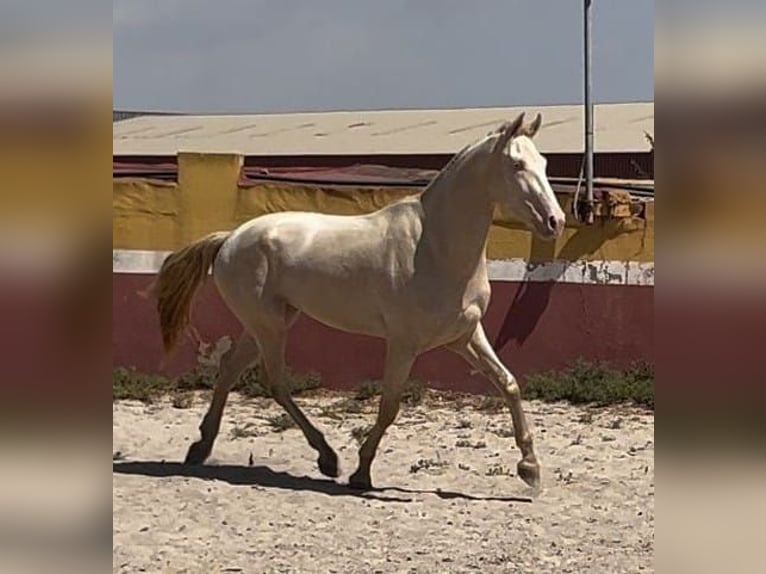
<point>519,270</point>
<point>137,261</point>
<point>581,272</point>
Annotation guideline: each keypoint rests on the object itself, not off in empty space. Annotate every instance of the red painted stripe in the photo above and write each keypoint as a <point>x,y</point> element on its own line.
<point>535,326</point>
<point>55,351</point>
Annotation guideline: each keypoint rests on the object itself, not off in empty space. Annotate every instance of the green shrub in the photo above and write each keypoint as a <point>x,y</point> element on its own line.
<point>594,383</point>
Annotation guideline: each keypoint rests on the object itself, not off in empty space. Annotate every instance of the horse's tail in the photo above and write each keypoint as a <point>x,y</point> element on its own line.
<point>180,276</point>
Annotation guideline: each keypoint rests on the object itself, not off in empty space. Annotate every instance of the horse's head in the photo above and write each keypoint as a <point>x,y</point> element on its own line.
<point>518,180</point>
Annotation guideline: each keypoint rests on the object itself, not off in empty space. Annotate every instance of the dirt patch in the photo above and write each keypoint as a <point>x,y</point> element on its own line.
<point>444,503</point>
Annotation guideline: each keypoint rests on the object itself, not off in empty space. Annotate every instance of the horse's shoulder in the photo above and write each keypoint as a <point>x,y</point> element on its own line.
<point>406,215</point>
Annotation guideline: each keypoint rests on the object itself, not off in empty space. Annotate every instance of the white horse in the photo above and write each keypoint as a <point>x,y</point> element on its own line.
<point>413,273</point>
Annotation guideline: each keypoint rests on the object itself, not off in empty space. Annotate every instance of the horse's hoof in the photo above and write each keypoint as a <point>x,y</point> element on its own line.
<point>529,472</point>
<point>328,464</point>
<point>360,482</point>
<point>198,453</point>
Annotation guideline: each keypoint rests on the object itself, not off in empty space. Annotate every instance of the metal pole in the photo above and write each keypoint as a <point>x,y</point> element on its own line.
<point>588,208</point>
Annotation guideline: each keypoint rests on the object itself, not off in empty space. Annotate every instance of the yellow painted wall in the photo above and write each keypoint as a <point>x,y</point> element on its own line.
<point>53,169</point>
<point>156,215</point>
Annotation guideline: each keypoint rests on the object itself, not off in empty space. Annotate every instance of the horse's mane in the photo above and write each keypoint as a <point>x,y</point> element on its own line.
<point>448,167</point>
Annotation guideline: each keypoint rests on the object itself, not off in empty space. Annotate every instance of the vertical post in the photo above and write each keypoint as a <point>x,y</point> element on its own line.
<point>207,194</point>
<point>588,207</point>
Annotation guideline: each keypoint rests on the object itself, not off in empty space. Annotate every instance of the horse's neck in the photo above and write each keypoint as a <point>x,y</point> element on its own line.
<point>458,215</point>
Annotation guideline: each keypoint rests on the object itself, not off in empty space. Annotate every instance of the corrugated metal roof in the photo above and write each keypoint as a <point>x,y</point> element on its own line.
<point>618,128</point>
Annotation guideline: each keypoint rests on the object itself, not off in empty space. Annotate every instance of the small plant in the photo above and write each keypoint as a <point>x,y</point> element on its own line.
<point>251,385</point>
<point>183,399</point>
<point>360,433</point>
<point>303,383</point>
<point>201,378</point>
<point>464,424</point>
<point>281,423</point>
<point>491,404</point>
<point>338,408</point>
<point>462,443</point>
<point>367,390</point>
<point>350,406</point>
<point>129,384</point>
<point>415,391</point>
<point>246,431</point>
<point>330,412</point>
<point>428,465</point>
<point>503,432</point>
<point>498,470</point>
<point>586,418</point>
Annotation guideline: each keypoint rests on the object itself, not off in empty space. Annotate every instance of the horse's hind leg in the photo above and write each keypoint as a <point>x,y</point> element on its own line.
<point>272,342</point>
<point>242,355</point>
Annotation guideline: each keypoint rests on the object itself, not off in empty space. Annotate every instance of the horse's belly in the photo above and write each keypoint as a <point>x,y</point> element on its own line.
<point>336,304</point>
<point>346,318</point>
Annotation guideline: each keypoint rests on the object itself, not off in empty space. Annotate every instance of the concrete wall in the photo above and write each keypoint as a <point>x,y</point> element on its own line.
<point>589,294</point>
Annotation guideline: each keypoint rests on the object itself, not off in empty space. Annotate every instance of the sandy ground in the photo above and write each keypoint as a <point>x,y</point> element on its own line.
<point>448,500</point>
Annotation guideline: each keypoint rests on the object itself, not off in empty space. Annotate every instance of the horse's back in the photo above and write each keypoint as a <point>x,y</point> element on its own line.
<point>339,269</point>
<point>309,239</point>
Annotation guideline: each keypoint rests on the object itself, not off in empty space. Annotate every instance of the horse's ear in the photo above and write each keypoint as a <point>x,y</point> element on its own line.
<point>507,131</point>
<point>533,128</point>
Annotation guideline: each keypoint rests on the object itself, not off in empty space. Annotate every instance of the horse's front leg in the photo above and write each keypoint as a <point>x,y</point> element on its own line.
<point>479,353</point>
<point>398,364</point>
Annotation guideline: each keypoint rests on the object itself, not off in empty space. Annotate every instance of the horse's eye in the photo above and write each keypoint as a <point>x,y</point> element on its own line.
<point>518,165</point>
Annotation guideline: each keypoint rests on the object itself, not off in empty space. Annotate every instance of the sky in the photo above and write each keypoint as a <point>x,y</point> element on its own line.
<point>253,56</point>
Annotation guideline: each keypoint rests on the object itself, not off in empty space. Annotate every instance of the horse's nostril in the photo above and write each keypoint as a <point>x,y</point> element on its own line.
<point>553,223</point>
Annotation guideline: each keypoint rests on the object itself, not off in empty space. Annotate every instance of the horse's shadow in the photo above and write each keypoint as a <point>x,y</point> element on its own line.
<point>265,477</point>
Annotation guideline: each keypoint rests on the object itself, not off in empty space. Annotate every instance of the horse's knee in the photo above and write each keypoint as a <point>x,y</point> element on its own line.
<point>512,389</point>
